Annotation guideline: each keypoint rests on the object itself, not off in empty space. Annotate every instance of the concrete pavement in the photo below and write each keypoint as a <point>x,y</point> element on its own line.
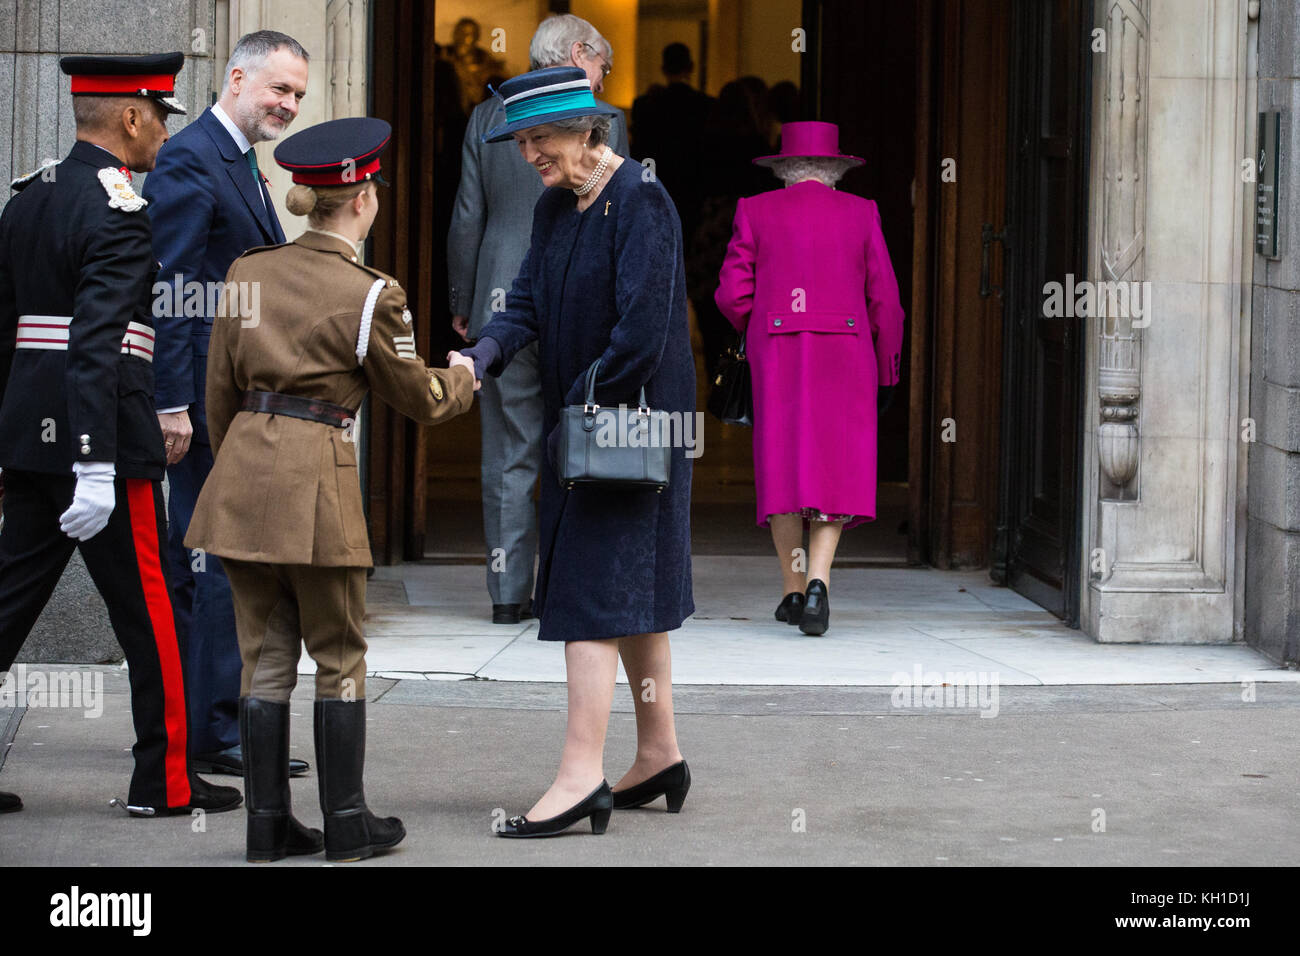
<point>1081,775</point>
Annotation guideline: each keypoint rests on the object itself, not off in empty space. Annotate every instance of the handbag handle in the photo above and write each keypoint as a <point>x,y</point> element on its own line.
<point>590,406</point>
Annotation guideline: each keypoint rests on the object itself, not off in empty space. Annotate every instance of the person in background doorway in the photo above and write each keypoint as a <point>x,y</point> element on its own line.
<point>668,125</point>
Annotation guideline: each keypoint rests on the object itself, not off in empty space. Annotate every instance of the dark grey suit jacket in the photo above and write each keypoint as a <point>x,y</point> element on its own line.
<point>493,216</point>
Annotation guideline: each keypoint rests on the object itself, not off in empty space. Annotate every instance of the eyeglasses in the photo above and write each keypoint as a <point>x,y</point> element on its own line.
<point>605,66</point>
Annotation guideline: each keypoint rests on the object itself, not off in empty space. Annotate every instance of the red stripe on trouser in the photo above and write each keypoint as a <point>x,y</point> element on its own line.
<point>144,529</point>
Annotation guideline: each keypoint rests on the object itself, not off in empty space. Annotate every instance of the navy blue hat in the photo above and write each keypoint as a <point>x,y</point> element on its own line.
<point>150,76</point>
<point>336,153</point>
<point>544,96</point>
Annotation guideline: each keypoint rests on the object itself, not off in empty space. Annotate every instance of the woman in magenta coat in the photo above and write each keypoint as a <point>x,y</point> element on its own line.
<point>807,279</point>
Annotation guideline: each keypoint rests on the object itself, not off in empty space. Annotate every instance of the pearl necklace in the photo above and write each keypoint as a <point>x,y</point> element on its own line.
<point>596,173</point>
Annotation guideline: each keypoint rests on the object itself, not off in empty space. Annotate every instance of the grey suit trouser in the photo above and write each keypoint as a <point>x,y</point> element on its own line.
<point>511,420</point>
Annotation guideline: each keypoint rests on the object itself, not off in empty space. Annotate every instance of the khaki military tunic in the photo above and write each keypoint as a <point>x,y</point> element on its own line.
<point>284,490</point>
<point>282,507</point>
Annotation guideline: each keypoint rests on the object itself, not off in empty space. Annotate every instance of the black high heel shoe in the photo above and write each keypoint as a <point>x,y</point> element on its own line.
<point>790,609</point>
<point>671,783</point>
<point>598,805</point>
<point>816,609</point>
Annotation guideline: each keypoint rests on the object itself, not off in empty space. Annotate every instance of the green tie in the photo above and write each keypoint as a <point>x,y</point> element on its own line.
<point>251,155</point>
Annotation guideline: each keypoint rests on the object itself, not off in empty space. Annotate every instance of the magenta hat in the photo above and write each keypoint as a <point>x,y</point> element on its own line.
<point>809,138</point>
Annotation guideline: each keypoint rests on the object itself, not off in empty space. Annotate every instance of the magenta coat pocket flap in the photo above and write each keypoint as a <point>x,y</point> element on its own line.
<point>845,322</point>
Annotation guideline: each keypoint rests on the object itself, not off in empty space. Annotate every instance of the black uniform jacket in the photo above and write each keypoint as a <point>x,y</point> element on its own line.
<point>65,251</point>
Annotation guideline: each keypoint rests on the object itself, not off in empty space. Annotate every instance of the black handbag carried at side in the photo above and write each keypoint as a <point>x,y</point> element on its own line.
<point>732,397</point>
<point>615,447</point>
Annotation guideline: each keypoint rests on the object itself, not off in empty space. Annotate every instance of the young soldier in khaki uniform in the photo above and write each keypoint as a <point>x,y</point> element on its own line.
<point>304,331</point>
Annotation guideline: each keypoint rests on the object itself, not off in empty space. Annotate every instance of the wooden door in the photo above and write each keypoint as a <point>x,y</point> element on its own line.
<point>1036,548</point>
<point>956,345</point>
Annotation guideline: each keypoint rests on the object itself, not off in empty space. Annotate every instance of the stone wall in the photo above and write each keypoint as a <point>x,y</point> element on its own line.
<point>1273,537</point>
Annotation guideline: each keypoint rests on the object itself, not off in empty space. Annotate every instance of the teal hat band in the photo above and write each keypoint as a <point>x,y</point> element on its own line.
<point>550,103</point>
<point>542,96</point>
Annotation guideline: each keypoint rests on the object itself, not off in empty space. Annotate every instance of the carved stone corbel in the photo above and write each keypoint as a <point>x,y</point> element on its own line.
<point>1123,245</point>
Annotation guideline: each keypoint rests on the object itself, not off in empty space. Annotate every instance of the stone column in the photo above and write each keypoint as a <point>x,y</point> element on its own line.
<point>1163,479</point>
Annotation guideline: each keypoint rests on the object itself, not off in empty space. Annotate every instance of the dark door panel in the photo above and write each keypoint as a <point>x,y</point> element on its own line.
<point>1036,549</point>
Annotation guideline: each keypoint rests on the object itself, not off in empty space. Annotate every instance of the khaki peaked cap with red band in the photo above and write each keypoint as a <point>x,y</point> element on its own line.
<point>153,77</point>
<point>336,153</point>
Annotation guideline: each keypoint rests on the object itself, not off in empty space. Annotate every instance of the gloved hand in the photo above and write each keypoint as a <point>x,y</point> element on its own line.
<point>92,501</point>
<point>483,354</point>
<point>884,397</point>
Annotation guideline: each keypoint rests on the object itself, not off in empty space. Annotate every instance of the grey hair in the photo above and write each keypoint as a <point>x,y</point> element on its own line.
<point>555,38</point>
<point>598,126</point>
<point>251,51</point>
<point>824,169</point>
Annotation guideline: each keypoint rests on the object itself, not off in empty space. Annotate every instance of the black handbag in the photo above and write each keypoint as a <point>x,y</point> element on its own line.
<point>616,447</point>
<point>732,397</point>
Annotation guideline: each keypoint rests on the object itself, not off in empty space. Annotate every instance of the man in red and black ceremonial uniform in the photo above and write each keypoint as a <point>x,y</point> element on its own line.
<point>80,445</point>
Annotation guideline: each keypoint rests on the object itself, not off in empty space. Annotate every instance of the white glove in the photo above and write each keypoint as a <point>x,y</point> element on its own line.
<point>92,501</point>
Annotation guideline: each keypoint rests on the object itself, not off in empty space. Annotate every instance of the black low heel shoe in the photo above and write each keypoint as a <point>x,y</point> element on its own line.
<point>790,609</point>
<point>598,805</point>
<point>671,783</point>
<point>816,609</point>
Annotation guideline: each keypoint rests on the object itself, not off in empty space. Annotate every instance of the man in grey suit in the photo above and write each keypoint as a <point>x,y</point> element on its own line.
<point>490,226</point>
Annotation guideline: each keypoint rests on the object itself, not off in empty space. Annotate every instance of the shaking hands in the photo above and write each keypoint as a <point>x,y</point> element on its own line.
<point>455,358</point>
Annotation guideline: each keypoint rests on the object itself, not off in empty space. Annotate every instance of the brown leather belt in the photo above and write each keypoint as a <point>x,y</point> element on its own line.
<point>274,403</point>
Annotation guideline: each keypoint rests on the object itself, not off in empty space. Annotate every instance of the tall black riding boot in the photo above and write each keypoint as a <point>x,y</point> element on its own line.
<point>352,832</point>
<point>273,833</point>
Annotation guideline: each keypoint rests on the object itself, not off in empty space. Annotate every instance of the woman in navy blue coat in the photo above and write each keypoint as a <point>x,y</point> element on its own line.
<point>603,279</point>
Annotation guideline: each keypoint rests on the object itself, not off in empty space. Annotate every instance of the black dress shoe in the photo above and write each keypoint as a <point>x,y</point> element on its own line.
<point>671,783</point>
<point>598,805</point>
<point>790,609</point>
<point>203,796</point>
<point>231,762</point>
<point>505,613</point>
<point>9,803</point>
<point>816,608</point>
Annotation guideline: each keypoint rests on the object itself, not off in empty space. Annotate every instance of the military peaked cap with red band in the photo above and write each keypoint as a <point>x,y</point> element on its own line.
<point>336,153</point>
<point>150,76</point>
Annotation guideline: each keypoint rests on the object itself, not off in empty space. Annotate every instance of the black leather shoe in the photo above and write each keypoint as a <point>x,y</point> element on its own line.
<point>273,832</point>
<point>598,805</point>
<point>9,803</point>
<point>790,609</point>
<point>816,608</point>
<point>671,783</point>
<point>505,613</point>
<point>352,832</point>
<point>203,796</point>
<point>231,762</point>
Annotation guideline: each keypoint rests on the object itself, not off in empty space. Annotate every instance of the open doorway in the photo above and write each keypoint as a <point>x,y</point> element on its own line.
<point>924,92</point>
<point>747,58</point>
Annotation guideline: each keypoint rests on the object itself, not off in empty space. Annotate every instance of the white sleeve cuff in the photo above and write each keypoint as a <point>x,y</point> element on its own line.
<point>86,468</point>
